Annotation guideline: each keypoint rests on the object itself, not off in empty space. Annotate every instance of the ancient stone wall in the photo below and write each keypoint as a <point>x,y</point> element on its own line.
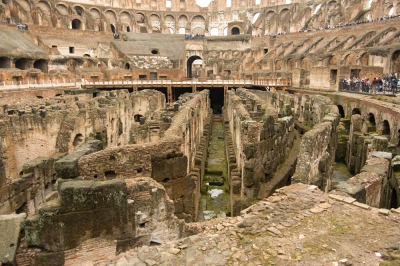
<point>260,147</point>
<point>131,211</point>
<point>41,130</point>
<point>168,161</point>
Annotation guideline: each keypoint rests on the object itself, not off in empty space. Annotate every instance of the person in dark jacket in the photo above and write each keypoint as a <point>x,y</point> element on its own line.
<point>394,84</point>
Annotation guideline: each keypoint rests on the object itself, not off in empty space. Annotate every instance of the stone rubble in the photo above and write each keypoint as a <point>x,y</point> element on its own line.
<point>299,225</point>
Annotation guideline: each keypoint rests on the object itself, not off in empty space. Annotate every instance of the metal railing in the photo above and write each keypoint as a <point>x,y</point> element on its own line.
<point>20,86</point>
<point>233,82</point>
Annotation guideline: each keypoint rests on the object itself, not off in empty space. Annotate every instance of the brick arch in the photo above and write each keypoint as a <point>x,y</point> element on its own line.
<point>364,59</point>
<point>111,16</point>
<point>334,60</point>
<point>278,65</point>
<point>62,9</point>
<point>140,17</point>
<point>44,6</point>
<point>290,64</point>
<point>80,10</point>
<point>350,59</point>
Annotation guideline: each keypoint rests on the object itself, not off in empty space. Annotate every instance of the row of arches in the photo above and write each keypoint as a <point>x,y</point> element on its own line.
<point>377,125</point>
<point>336,61</point>
<point>24,63</point>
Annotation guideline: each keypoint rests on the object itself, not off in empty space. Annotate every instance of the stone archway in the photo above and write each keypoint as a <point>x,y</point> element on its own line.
<point>5,62</point>
<point>41,64</point>
<point>235,31</point>
<point>22,64</point>
<point>76,24</point>
<point>189,65</point>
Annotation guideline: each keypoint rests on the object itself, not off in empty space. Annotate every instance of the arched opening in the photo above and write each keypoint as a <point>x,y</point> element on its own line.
<point>41,64</point>
<point>290,64</point>
<point>386,129</point>
<point>395,62</point>
<point>189,65</point>
<point>235,31</point>
<point>372,123</point>
<point>137,117</point>
<point>154,51</point>
<point>22,63</point>
<point>182,31</point>
<point>5,62</point>
<point>393,199</point>
<point>364,58</point>
<point>78,140</point>
<point>76,24</point>
<point>356,111</point>
<point>128,29</point>
<point>341,111</point>
<point>110,175</point>
<point>112,28</point>
<point>214,32</point>
<point>79,10</point>
<point>127,66</point>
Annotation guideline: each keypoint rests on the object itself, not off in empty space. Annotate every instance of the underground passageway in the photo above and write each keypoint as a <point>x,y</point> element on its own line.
<point>215,192</point>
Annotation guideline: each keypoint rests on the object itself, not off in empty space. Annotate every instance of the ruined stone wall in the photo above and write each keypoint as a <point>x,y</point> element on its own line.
<point>132,212</point>
<point>168,161</point>
<point>61,124</point>
<point>261,147</point>
<point>314,164</point>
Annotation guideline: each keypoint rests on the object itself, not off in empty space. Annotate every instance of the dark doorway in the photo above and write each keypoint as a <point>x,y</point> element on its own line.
<point>190,61</point>
<point>176,92</point>
<point>112,28</point>
<point>235,31</point>
<point>341,111</point>
<point>355,73</point>
<point>393,199</point>
<point>333,76</point>
<point>356,111</point>
<point>76,24</point>
<point>216,100</point>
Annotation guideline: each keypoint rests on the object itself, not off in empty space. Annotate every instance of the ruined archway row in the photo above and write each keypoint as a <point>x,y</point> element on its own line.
<point>259,19</point>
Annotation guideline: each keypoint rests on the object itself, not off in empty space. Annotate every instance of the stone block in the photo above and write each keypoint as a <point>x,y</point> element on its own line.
<point>356,190</point>
<point>362,205</point>
<point>378,169</point>
<point>349,200</point>
<point>85,195</point>
<point>381,154</point>
<point>168,167</point>
<point>336,197</point>
<point>66,167</point>
<point>11,226</point>
<point>48,259</point>
<point>384,212</point>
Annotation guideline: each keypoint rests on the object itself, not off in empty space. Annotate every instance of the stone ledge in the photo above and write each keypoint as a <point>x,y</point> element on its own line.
<point>361,205</point>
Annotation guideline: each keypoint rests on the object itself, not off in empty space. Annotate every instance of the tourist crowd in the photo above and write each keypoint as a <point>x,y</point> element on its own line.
<point>390,83</point>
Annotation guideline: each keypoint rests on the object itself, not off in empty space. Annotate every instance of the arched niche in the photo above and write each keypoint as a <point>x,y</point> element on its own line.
<point>41,64</point>
<point>22,63</point>
<point>5,62</point>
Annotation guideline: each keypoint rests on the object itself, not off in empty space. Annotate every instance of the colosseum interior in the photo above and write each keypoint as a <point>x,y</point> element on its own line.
<point>177,132</point>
